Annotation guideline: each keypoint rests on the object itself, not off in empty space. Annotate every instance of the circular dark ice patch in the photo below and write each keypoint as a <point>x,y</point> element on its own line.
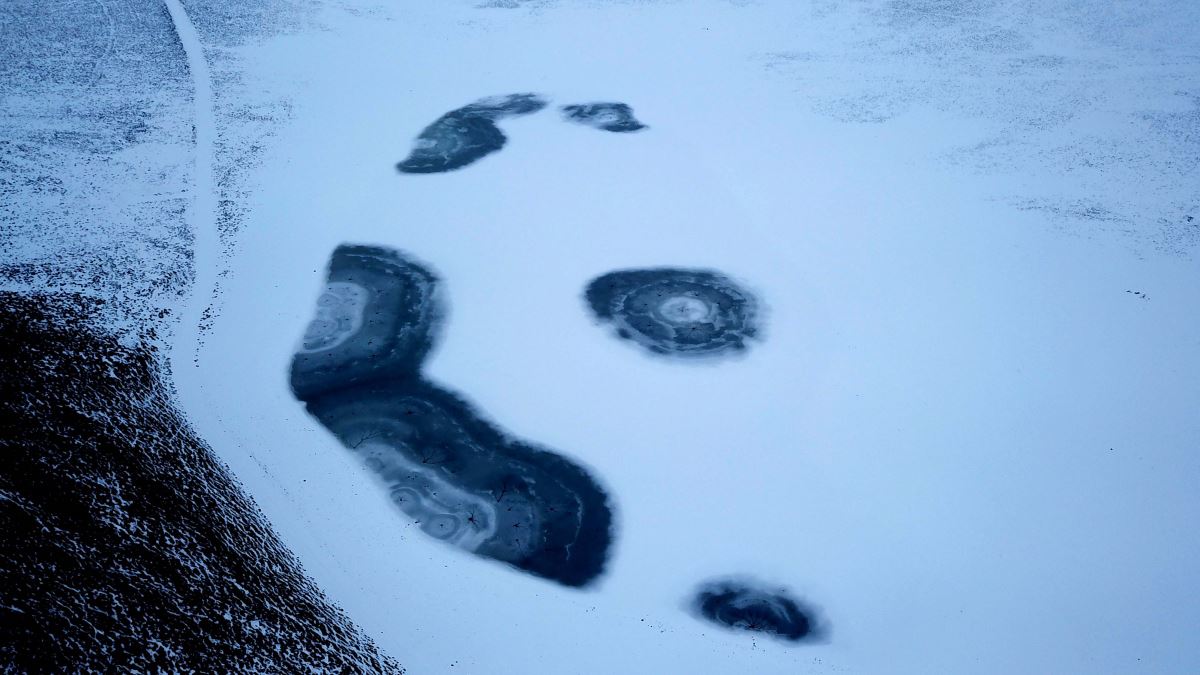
<point>749,606</point>
<point>676,312</point>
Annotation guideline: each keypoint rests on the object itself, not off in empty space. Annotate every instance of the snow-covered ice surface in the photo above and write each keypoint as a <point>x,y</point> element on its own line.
<point>962,439</point>
<point>967,437</point>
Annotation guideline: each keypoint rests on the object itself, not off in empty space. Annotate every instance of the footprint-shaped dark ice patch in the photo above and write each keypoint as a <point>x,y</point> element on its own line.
<point>462,136</point>
<point>456,475</point>
<point>468,484</point>
<point>607,116</point>
<point>747,605</point>
<point>676,312</point>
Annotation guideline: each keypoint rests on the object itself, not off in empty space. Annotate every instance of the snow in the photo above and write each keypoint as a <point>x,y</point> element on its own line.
<point>961,438</point>
<point>94,153</point>
<point>202,209</point>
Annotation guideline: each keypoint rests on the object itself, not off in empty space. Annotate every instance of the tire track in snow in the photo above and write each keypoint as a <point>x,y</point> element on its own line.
<point>202,213</point>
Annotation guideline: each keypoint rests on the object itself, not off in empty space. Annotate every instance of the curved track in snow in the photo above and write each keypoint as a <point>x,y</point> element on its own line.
<point>202,213</point>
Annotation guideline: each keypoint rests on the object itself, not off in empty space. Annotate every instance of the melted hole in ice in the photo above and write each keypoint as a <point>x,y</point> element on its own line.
<point>455,475</point>
<point>747,605</point>
<point>616,117</point>
<point>676,312</point>
<point>466,134</point>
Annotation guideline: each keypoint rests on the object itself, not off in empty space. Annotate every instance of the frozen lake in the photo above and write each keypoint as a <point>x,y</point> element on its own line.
<point>866,328</point>
<point>960,438</point>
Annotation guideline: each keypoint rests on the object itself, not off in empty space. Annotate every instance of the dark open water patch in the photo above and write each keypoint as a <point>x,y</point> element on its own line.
<point>616,117</point>
<point>466,134</point>
<point>676,312</point>
<point>747,605</point>
<point>459,477</point>
<point>127,547</point>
